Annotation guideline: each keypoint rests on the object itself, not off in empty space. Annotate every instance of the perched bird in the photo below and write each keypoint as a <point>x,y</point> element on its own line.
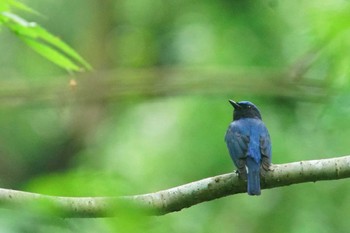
<point>249,144</point>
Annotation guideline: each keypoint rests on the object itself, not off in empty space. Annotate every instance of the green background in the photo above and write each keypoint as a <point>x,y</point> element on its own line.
<point>153,113</point>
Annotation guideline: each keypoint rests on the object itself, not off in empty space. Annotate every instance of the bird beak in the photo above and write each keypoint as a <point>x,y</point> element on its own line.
<point>234,104</point>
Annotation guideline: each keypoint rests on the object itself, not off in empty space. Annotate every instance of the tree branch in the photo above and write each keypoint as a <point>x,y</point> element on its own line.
<point>184,196</point>
<point>114,85</point>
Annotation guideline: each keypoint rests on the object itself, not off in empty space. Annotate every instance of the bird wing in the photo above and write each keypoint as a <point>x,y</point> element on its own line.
<point>265,147</point>
<point>237,143</point>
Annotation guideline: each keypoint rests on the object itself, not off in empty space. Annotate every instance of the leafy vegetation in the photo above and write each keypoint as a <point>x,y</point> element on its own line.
<point>154,113</point>
<point>37,38</point>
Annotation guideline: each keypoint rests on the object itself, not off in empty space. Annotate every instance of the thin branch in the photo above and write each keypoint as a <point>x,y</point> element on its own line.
<point>184,196</point>
<point>117,84</point>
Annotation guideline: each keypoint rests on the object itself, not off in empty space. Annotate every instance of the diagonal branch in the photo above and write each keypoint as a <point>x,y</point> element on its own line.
<point>184,196</point>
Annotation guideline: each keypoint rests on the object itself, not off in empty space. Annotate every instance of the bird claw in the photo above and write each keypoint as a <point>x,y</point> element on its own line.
<point>265,168</point>
<point>242,175</point>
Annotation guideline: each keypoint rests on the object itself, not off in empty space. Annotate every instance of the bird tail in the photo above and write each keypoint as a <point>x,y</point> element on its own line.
<point>253,177</point>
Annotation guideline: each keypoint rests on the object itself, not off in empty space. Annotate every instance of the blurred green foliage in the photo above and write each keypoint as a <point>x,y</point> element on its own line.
<point>154,112</point>
<point>37,38</point>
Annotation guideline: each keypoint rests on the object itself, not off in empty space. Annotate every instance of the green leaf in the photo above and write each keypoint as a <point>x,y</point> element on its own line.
<point>17,20</point>
<point>22,7</point>
<point>4,5</point>
<point>59,44</point>
<point>51,54</point>
<point>56,49</point>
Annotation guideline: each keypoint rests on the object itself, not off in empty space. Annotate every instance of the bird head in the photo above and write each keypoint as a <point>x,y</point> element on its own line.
<point>244,109</point>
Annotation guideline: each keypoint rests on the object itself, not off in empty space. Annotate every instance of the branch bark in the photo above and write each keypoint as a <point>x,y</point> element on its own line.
<point>184,196</point>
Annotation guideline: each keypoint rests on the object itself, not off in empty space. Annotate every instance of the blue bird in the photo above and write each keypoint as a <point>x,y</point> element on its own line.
<point>249,144</point>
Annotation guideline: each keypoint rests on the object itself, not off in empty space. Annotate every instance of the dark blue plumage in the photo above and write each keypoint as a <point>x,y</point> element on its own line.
<point>249,144</point>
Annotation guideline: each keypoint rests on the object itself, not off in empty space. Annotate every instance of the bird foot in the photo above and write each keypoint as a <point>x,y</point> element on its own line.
<point>242,175</point>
